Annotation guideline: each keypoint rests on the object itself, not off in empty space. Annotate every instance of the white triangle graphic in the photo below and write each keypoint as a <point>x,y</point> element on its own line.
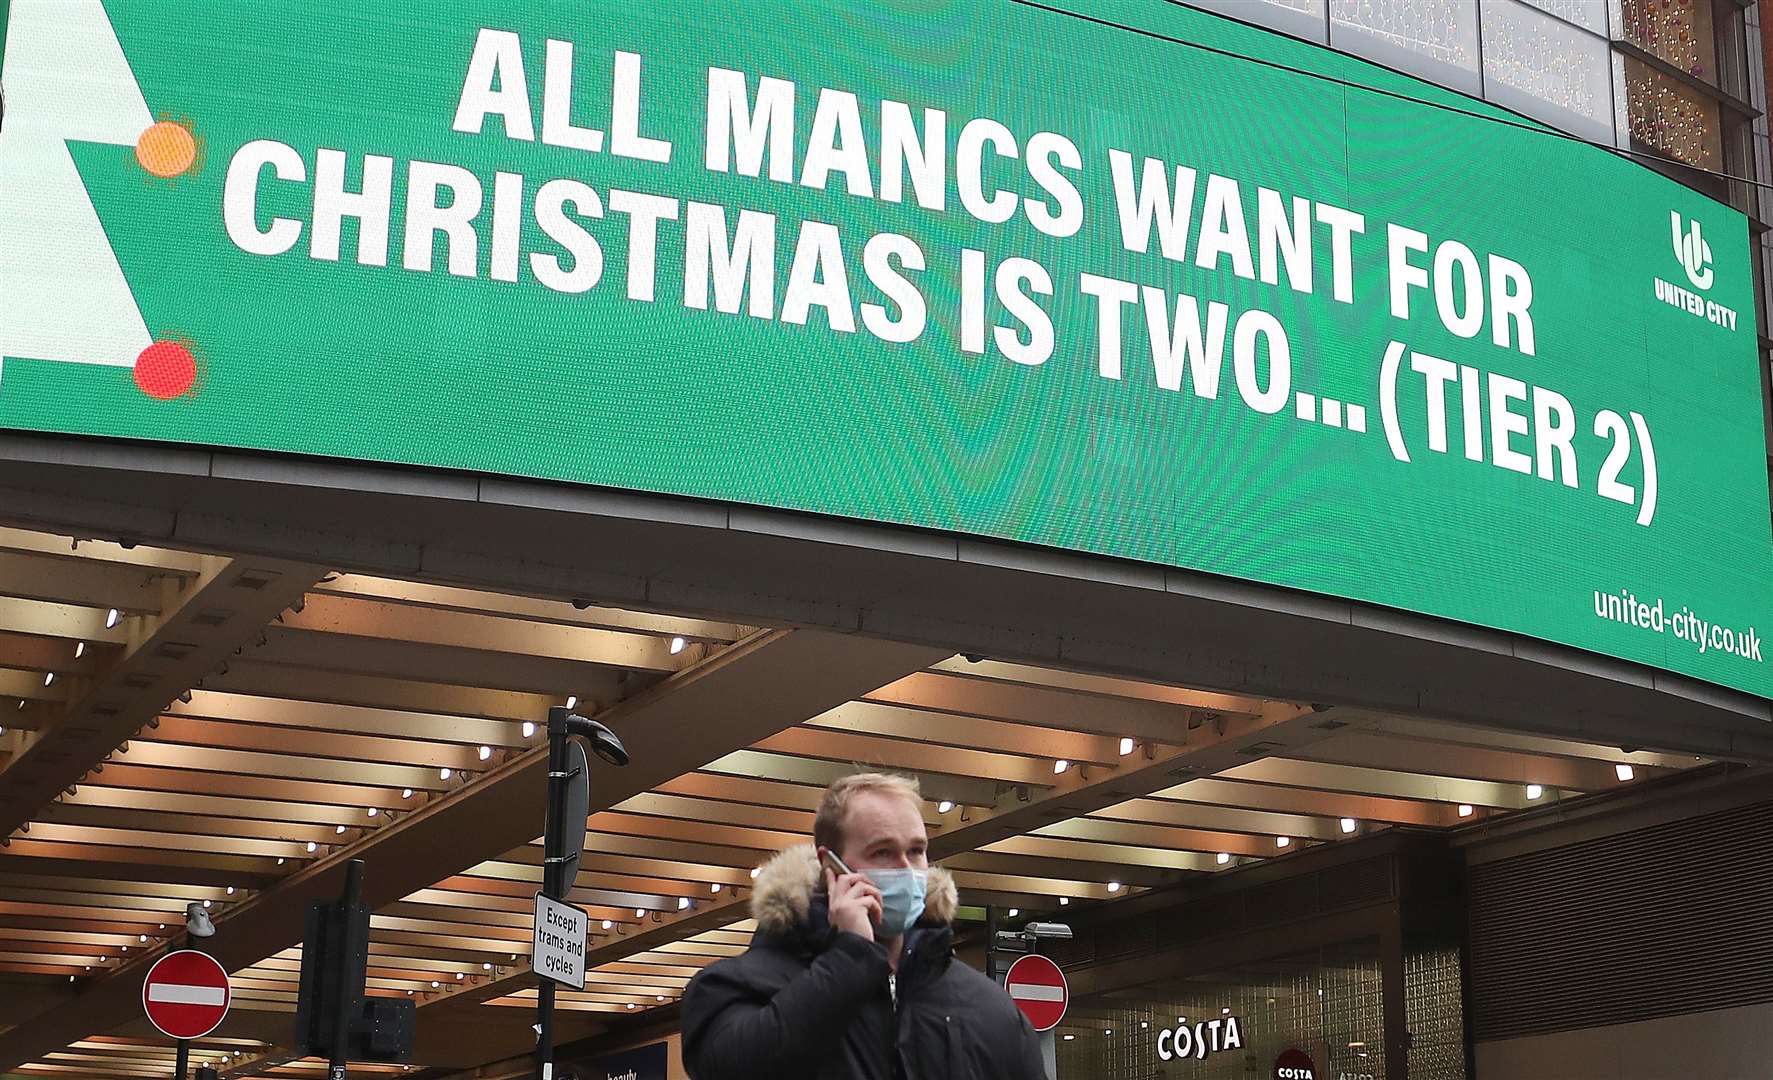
<point>62,294</point>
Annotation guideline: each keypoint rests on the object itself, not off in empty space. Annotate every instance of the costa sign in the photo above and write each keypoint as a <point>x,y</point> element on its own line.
<point>1294,1064</point>
<point>1205,1037</point>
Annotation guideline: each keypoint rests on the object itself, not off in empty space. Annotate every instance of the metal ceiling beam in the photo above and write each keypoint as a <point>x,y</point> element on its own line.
<point>205,620</point>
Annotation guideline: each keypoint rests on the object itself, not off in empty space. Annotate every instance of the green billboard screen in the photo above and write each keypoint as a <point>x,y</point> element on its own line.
<point>1129,279</point>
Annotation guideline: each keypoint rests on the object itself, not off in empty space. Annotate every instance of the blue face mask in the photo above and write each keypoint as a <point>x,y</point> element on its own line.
<point>901,898</point>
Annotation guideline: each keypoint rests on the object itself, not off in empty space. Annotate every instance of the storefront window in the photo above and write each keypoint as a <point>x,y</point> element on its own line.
<point>1234,1024</point>
<point>1435,39</point>
<point>1678,31</point>
<point>1672,118</point>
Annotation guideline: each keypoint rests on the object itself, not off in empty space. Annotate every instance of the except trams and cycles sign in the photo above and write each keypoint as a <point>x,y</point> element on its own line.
<point>558,942</point>
<point>983,266</point>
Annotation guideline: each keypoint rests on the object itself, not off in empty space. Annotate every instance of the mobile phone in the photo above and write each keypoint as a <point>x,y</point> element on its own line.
<point>834,864</point>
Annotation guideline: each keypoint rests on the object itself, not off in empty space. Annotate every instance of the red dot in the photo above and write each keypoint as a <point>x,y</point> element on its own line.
<point>165,370</point>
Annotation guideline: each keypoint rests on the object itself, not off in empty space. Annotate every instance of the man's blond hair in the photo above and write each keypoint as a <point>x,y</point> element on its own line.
<point>834,808</point>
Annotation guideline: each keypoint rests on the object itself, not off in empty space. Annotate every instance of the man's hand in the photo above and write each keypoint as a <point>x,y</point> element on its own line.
<point>854,903</point>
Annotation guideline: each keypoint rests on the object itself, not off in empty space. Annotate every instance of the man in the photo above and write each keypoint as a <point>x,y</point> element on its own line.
<point>852,976</point>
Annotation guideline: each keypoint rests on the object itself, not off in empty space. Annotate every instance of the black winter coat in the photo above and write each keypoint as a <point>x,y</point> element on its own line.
<point>809,1002</point>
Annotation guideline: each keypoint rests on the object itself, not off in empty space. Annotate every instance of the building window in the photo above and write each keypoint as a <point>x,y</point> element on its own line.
<point>1672,118</point>
<point>1676,31</point>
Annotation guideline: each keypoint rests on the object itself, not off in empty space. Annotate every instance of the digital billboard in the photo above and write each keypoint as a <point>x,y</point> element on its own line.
<point>1119,277</point>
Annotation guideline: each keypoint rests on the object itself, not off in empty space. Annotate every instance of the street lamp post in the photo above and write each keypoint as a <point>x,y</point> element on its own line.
<point>563,838</point>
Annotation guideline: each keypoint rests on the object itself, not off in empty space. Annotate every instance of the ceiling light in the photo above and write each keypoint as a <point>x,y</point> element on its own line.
<point>1224,857</point>
<point>1623,771</point>
<point>144,938</point>
<point>640,913</point>
<point>372,811</point>
<point>406,793</point>
<point>607,924</point>
<point>1068,1038</point>
<point>230,890</point>
<point>340,830</point>
<point>682,903</point>
<point>162,926</point>
<point>79,650</point>
<point>1225,1011</point>
<point>529,727</point>
<point>1114,886</point>
<point>111,618</point>
<point>444,773</point>
<point>460,976</point>
<point>435,984</point>
<point>756,870</point>
<point>206,903</point>
<point>1465,810</point>
<point>1283,841</point>
<point>1144,1024</point>
<point>312,847</point>
<point>1348,824</point>
<point>1534,791</point>
<point>485,753</point>
<point>486,966</point>
<point>572,701</point>
<point>280,860</point>
<point>677,645</point>
<point>661,997</point>
<point>1107,1031</point>
<point>1126,747</point>
<point>1015,912</point>
<point>1060,766</point>
<point>714,888</point>
<point>630,1004</point>
<point>48,678</point>
<point>944,806</point>
<point>1064,901</point>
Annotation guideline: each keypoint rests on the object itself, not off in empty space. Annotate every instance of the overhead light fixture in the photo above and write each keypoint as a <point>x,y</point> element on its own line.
<point>529,727</point>
<point>435,984</point>
<point>144,939</point>
<point>111,618</point>
<point>630,1004</point>
<point>1534,791</point>
<point>1015,912</point>
<point>1068,1038</point>
<point>1060,766</point>
<point>1225,1011</point>
<point>445,773</point>
<point>677,645</point>
<point>280,860</point>
<point>340,830</point>
<point>1064,901</point>
<point>1114,886</point>
<point>1126,747</point>
<point>572,701</point>
<point>683,903</point>
<point>485,753</point>
<point>1623,772</point>
<point>661,997</point>
<point>372,811</point>
<point>1283,841</point>
<point>406,793</point>
<point>607,924</point>
<point>1465,810</point>
<point>48,678</point>
<point>1349,824</point>
<point>640,913</point>
<point>1107,1031</point>
<point>230,890</point>
<point>944,806</point>
<point>486,966</point>
<point>460,976</point>
<point>313,847</point>
<point>714,888</point>
<point>206,905</point>
<point>756,870</point>
<point>1224,857</point>
<point>79,649</point>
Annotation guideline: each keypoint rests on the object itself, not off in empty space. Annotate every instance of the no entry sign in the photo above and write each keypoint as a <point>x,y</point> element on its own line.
<point>1039,989</point>
<point>185,994</point>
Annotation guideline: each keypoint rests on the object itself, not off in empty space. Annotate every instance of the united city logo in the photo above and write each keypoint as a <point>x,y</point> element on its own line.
<point>1694,255</point>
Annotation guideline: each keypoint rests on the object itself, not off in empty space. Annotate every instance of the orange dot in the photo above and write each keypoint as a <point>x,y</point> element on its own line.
<point>166,149</point>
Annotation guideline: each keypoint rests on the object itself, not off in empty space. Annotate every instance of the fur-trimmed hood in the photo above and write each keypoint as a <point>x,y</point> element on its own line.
<point>786,884</point>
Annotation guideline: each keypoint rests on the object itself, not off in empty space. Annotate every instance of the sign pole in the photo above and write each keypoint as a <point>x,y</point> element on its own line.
<point>341,1032</point>
<point>184,1060</point>
<point>552,886</point>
